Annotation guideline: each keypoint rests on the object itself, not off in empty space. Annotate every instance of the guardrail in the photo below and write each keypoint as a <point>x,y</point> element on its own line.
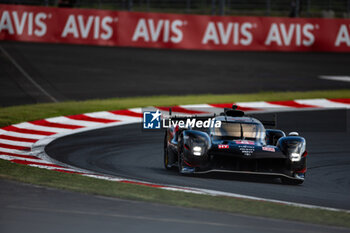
<point>291,8</point>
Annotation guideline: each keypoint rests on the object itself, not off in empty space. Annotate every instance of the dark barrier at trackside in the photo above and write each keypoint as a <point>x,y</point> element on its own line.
<point>172,31</point>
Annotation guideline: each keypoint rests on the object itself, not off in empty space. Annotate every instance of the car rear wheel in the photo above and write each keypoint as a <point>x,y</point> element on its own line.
<point>167,163</point>
<point>180,164</point>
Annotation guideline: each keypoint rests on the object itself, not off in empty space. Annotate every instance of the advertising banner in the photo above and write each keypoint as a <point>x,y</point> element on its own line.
<point>172,31</point>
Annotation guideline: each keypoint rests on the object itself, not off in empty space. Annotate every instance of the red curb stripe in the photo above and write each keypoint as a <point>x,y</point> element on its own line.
<point>181,110</point>
<point>127,113</point>
<point>83,117</point>
<point>14,147</point>
<point>70,172</point>
<point>18,155</point>
<point>229,105</point>
<point>17,138</point>
<point>27,131</point>
<point>291,103</point>
<point>55,125</point>
<point>342,101</point>
<point>34,163</point>
<point>144,184</point>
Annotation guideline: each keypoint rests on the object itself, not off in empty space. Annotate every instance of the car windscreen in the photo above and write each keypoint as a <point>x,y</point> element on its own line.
<point>238,130</point>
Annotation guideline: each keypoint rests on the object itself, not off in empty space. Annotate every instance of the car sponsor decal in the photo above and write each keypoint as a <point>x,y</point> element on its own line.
<point>271,149</point>
<point>246,150</point>
<point>244,142</point>
<point>223,146</point>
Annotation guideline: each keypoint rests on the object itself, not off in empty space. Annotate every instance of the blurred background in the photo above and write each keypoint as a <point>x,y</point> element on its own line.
<point>80,72</point>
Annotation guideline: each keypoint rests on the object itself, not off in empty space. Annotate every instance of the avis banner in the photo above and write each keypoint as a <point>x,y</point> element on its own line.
<point>172,31</point>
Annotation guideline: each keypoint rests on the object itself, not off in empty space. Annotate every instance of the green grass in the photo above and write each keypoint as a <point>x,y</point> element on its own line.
<point>16,114</point>
<point>88,185</point>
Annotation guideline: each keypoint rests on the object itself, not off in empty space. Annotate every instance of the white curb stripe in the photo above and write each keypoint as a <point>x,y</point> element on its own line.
<point>27,125</point>
<point>165,113</point>
<point>196,106</point>
<point>111,116</point>
<point>203,108</point>
<point>336,78</point>
<point>128,116</point>
<point>136,110</point>
<point>16,143</point>
<point>259,105</point>
<point>68,121</point>
<point>14,151</point>
<point>23,135</point>
<point>323,103</point>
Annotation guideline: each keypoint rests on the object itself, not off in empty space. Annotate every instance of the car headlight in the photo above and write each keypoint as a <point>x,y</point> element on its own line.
<point>295,157</point>
<point>197,150</point>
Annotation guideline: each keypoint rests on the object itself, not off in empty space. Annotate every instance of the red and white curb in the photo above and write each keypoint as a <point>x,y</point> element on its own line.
<point>24,143</point>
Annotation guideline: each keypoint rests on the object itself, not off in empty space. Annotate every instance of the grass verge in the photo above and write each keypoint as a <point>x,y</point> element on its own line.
<point>16,114</point>
<point>88,185</point>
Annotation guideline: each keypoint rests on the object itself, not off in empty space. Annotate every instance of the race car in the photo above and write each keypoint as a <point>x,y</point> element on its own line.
<point>240,144</point>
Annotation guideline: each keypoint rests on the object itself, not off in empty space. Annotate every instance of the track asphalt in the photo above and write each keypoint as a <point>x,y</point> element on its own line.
<point>32,209</point>
<point>73,72</point>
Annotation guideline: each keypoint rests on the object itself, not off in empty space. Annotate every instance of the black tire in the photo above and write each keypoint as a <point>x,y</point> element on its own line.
<point>166,152</point>
<point>289,181</point>
<point>166,159</point>
<point>180,164</point>
<point>180,152</point>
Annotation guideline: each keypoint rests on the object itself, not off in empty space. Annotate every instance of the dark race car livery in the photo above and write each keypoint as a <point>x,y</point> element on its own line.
<point>240,145</point>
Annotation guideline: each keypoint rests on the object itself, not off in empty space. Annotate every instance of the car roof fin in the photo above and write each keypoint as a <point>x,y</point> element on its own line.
<point>233,112</point>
